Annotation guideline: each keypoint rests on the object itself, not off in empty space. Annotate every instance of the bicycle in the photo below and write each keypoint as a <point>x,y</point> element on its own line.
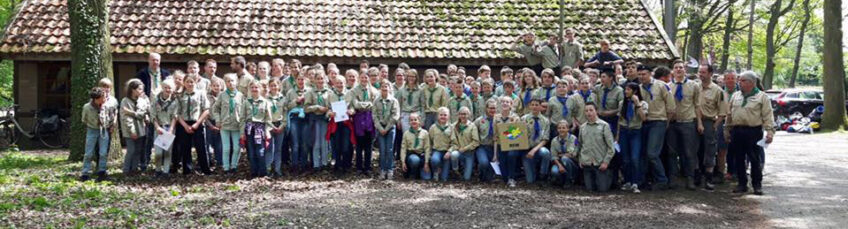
<point>50,129</point>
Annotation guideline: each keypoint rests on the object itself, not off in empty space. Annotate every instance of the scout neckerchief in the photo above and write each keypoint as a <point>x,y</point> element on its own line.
<point>442,128</point>
<point>253,106</point>
<point>746,96</point>
<point>365,92</point>
<point>647,87</point>
<point>231,94</point>
<point>604,99</point>
<point>164,103</point>
<point>548,92</point>
<point>678,94</point>
<point>320,95</point>
<point>385,102</point>
<point>461,127</point>
<point>414,133</point>
<point>585,95</point>
<point>562,100</point>
<point>458,100</point>
<point>628,114</point>
<point>409,91</point>
<point>432,92</point>
<point>527,96</point>
<point>274,104</point>
<point>536,128</point>
<point>188,100</point>
<point>491,126</point>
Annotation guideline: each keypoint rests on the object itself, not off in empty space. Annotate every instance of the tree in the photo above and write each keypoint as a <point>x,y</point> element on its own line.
<point>750,59</point>
<point>91,60</point>
<point>728,33</point>
<point>773,44</point>
<point>834,68</point>
<point>703,16</point>
<point>797,62</point>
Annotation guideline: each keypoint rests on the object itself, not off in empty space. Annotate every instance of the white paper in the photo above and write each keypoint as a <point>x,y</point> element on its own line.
<point>340,108</point>
<point>164,141</point>
<point>496,167</point>
<point>762,143</point>
<point>617,147</point>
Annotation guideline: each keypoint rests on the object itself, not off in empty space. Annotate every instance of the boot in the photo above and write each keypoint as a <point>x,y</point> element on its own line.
<point>708,184</point>
<point>690,183</point>
<point>101,176</point>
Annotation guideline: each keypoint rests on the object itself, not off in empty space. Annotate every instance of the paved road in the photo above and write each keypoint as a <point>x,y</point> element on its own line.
<point>806,181</point>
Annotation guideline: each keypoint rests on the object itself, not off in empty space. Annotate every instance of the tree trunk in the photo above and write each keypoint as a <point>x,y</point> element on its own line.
<point>750,63</point>
<point>775,12</point>
<point>91,60</point>
<point>728,32</point>
<point>797,61</point>
<point>834,70</point>
<point>695,44</point>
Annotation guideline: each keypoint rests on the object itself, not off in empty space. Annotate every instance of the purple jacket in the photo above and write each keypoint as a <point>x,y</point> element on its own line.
<point>363,123</point>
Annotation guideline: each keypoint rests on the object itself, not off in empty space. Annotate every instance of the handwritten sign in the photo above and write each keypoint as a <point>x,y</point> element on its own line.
<point>513,136</point>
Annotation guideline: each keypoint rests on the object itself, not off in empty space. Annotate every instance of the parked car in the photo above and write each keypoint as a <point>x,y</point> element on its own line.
<point>790,101</point>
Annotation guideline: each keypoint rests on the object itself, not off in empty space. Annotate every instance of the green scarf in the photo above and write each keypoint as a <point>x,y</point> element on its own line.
<point>752,93</point>
<point>253,106</point>
<point>274,104</point>
<point>414,133</point>
<point>232,95</point>
<point>321,97</point>
<point>442,128</point>
<point>409,96</point>
<point>461,128</point>
<point>432,92</point>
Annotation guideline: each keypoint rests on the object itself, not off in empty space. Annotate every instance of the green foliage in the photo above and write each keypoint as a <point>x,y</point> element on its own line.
<point>7,8</point>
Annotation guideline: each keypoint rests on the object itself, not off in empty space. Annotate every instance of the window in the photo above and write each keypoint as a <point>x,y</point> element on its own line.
<point>54,85</point>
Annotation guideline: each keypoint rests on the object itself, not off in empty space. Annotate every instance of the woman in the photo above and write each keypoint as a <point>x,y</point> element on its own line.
<point>633,111</point>
<point>297,124</point>
<point>440,136</point>
<point>257,131</point>
<point>228,116</point>
<point>274,153</point>
<point>134,121</point>
<point>386,112</point>
<point>316,107</point>
<point>528,87</point>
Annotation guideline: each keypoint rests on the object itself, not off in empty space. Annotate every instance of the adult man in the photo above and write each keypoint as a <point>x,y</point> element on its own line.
<point>750,114</point>
<point>604,59</point>
<point>210,69</point>
<point>660,105</point>
<point>278,67</point>
<point>153,75</point>
<point>572,51</point>
<point>685,125</point>
<point>193,69</point>
<point>526,46</point>
<point>608,97</point>
<point>725,157</point>
<point>550,53</point>
<point>712,110</point>
<point>238,64</point>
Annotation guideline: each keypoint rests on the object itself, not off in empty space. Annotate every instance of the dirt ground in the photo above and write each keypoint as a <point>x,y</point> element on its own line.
<point>804,183</point>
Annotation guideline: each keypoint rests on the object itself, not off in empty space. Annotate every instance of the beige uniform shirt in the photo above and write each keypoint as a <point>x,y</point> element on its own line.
<point>227,111</point>
<point>434,98</point>
<point>91,116</point>
<point>278,109</point>
<point>712,102</point>
<point>244,81</point>
<point>635,122</point>
<point>410,99</point>
<point>615,95</point>
<point>440,136</point>
<point>292,97</point>
<point>193,105</point>
<point>659,100</point>
<point>544,127</point>
<point>465,138</point>
<point>528,51</point>
<point>684,110</point>
<point>163,111</point>
<point>484,124</point>
<point>363,97</point>
<point>458,102</point>
<point>573,105</point>
<point>315,99</point>
<point>596,143</point>
<point>480,104</point>
<point>258,110</point>
<point>564,147</point>
<point>134,116</point>
<point>415,141</point>
<point>386,113</point>
<point>756,111</point>
<point>572,53</point>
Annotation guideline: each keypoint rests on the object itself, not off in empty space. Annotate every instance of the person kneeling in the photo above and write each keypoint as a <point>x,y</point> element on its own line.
<point>537,157</point>
<point>564,153</point>
<point>465,142</point>
<point>416,142</point>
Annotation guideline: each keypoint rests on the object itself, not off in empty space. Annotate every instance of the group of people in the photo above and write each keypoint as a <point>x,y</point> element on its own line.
<point>597,123</point>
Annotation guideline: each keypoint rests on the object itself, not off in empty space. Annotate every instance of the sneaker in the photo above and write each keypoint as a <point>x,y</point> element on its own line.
<point>390,175</point>
<point>690,183</point>
<point>511,183</point>
<point>758,191</point>
<point>101,176</point>
<point>85,178</point>
<point>740,190</point>
<point>709,187</point>
<point>627,186</point>
<point>636,189</point>
<point>382,175</point>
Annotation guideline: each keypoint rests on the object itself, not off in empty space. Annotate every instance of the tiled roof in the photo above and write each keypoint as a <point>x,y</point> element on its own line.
<point>443,29</point>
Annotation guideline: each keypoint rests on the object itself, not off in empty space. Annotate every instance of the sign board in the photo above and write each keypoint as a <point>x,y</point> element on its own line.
<point>513,136</point>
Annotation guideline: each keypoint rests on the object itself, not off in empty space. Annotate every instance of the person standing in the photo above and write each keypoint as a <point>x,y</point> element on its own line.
<point>257,129</point>
<point>134,120</point>
<point>97,134</point>
<point>226,111</point>
<point>386,113</point>
<point>194,109</point>
<point>537,159</point>
<point>712,110</point>
<point>526,46</point>
<point>629,135</point>
<point>434,96</point>
<point>596,151</point>
<point>660,106</point>
<point>363,99</point>
<point>685,125</point>
<point>572,50</point>
<point>238,65</point>
<point>153,74</point>
<point>750,114</point>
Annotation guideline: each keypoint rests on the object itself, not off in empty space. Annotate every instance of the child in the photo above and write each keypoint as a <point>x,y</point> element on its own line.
<point>194,109</point>
<point>164,112</point>
<point>342,134</point>
<point>527,90</point>
<point>486,134</point>
<point>274,153</point>
<point>608,97</point>
<point>564,155</point>
<point>509,92</point>
<point>562,106</point>
<point>506,75</point>
<point>548,86</point>
<point>227,113</point>
<point>96,134</point>
<point>459,99</point>
<point>434,97</point>
<point>633,111</point>
<point>257,131</point>
<point>596,151</point>
<point>585,93</point>
<point>363,100</point>
<point>415,147</point>
<point>464,142</point>
<point>109,112</point>
<point>410,98</point>
<point>509,163</point>
<point>134,120</point>
<point>298,124</point>
<point>440,135</point>
<point>386,113</point>
<point>176,160</point>
<point>475,99</point>
<point>538,156</point>
<point>213,133</point>
<point>316,107</point>
<point>486,93</point>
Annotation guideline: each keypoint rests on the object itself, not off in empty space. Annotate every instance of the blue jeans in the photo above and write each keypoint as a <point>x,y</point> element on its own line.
<point>508,161</point>
<point>655,135</point>
<point>213,139</point>
<point>386,144</point>
<point>484,159</point>
<point>274,153</point>
<point>231,152</point>
<point>148,148</point>
<point>135,148</point>
<point>320,145</point>
<point>570,173</point>
<point>342,146</point>
<point>100,138</point>
<point>436,163</point>
<point>467,161</point>
<point>630,141</point>
<point>256,154</point>
<point>414,167</point>
<point>297,131</point>
<point>541,160</point>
